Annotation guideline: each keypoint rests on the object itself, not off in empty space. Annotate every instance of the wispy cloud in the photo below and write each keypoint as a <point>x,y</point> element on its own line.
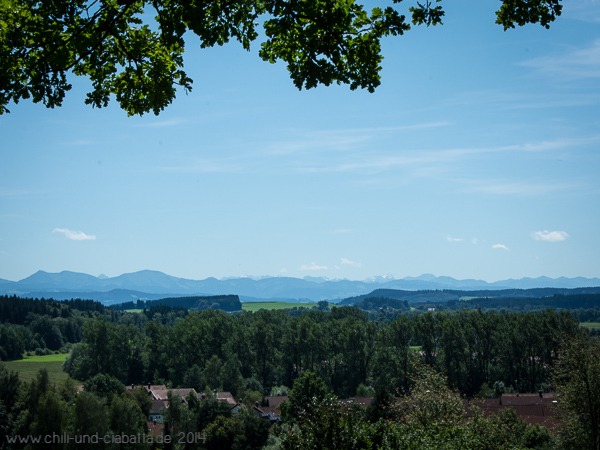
<point>575,64</point>
<point>349,262</point>
<point>500,247</point>
<point>513,187</point>
<point>550,236</point>
<point>424,162</point>
<point>312,267</point>
<point>13,193</point>
<point>473,240</point>
<point>346,139</point>
<point>584,10</point>
<point>75,235</point>
<point>558,144</point>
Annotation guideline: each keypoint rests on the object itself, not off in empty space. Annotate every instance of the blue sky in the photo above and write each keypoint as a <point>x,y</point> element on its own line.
<point>477,157</point>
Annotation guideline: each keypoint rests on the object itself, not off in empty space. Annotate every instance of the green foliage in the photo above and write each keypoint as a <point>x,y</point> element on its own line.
<point>206,410</point>
<point>110,349</point>
<point>419,366</point>
<point>365,391</point>
<point>327,41</point>
<point>196,302</point>
<point>532,11</point>
<point>49,418</point>
<point>40,326</point>
<point>126,417</point>
<point>89,415</point>
<point>431,416</point>
<point>242,432</point>
<point>537,436</point>
<point>250,391</point>
<point>577,379</point>
<point>104,386</point>
<point>256,306</point>
<point>14,340</point>
<point>429,401</point>
<point>308,390</point>
<point>213,426</point>
<point>427,13</point>
<point>279,390</point>
<point>132,50</point>
<point>9,392</point>
<point>326,423</point>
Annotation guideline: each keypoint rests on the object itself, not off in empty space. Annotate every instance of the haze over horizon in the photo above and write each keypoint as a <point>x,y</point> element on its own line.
<point>477,158</point>
<point>377,278</point>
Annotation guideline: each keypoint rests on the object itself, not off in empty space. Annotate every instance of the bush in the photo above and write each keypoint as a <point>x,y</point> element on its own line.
<point>365,391</point>
<point>537,436</point>
<point>279,390</point>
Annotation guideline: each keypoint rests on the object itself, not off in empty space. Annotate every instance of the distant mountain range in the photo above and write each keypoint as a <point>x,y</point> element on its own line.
<point>150,285</point>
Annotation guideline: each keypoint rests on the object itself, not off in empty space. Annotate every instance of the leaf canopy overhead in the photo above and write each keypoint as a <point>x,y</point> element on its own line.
<point>133,49</point>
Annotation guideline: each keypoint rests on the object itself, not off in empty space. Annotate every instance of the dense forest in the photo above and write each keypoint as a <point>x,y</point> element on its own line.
<point>418,367</point>
<point>223,302</point>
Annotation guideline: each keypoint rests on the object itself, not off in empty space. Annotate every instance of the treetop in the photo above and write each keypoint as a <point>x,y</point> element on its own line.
<point>133,50</point>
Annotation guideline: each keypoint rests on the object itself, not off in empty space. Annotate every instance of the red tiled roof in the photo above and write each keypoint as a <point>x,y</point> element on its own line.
<point>226,397</point>
<point>532,408</point>
<point>155,429</point>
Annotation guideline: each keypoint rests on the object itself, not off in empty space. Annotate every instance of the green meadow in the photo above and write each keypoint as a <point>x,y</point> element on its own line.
<point>29,366</point>
<point>255,306</point>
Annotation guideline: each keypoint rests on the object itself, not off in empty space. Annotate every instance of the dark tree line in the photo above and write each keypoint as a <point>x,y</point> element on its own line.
<point>417,367</point>
<point>18,310</point>
<point>41,325</point>
<point>573,301</point>
<point>267,349</point>
<point>223,302</point>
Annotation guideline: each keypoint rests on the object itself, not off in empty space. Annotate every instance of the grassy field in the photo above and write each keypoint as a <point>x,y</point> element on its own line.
<point>591,325</point>
<point>255,306</point>
<point>28,367</point>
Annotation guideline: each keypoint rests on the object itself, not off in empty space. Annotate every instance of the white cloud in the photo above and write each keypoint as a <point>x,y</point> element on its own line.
<point>312,266</point>
<point>550,236</point>
<point>500,247</point>
<point>75,235</point>
<point>349,262</point>
<point>454,239</point>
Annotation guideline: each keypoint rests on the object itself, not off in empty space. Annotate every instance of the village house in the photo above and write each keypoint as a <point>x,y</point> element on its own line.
<point>160,399</point>
<point>540,409</point>
<point>269,408</point>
